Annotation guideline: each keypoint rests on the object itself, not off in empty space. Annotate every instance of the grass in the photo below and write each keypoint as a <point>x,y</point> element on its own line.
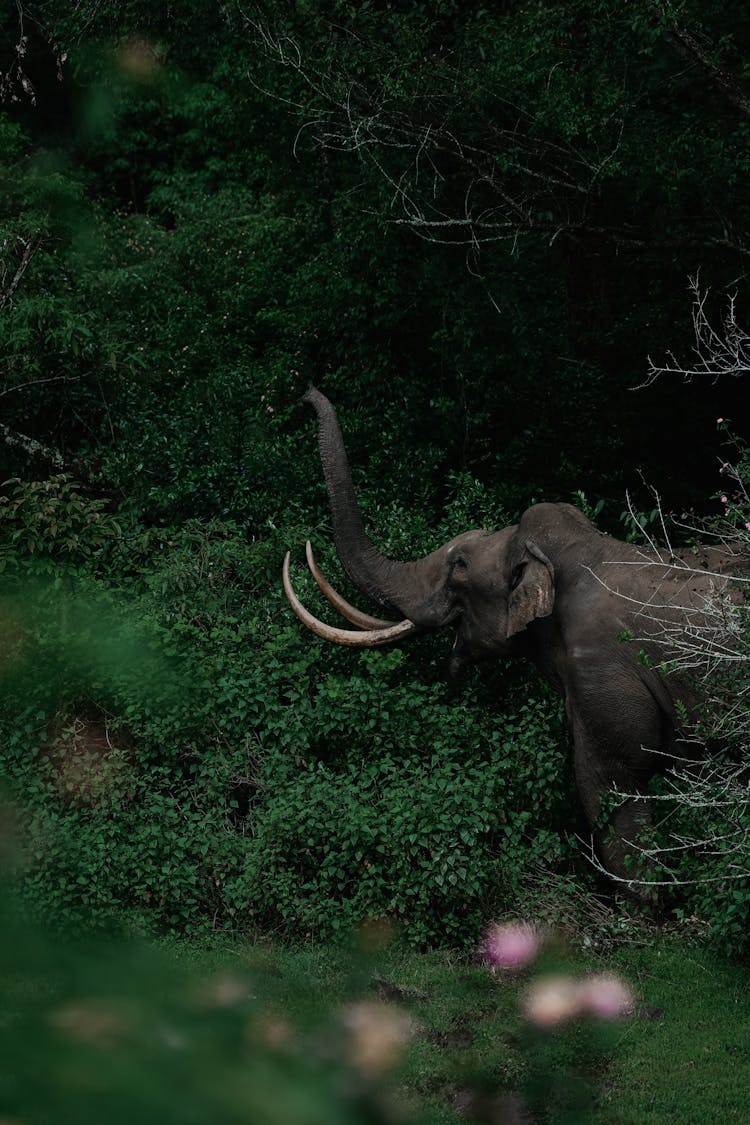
<point>694,1064</point>
<point>691,1064</point>
<point>192,1033</point>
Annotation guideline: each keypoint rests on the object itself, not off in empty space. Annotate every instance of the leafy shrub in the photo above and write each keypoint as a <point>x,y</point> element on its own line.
<point>50,521</point>
<point>429,816</point>
<point>187,756</point>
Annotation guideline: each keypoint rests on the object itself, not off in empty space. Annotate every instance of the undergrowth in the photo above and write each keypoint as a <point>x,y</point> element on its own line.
<point>182,754</point>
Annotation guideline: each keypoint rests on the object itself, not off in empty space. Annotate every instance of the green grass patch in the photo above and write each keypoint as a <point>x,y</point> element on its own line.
<point>119,1029</point>
<point>693,1065</point>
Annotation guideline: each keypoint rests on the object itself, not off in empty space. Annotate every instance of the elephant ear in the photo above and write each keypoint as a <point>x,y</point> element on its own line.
<point>532,592</point>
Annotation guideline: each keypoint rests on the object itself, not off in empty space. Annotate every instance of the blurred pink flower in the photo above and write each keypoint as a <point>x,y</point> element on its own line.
<point>550,1001</point>
<point>723,499</point>
<point>511,945</point>
<point>605,996</point>
<point>747,526</point>
<point>719,421</point>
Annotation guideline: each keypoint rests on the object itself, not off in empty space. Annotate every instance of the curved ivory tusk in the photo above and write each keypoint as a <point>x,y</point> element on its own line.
<point>370,638</point>
<point>350,612</point>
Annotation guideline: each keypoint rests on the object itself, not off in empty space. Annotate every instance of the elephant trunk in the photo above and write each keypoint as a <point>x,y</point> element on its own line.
<point>415,589</point>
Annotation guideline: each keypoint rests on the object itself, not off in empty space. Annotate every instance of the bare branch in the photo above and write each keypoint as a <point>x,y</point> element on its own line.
<point>717,352</point>
<point>522,182</point>
<point>15,77</point>
<point>705,642</point>
<point>34,383</point>
<point>691,48</point>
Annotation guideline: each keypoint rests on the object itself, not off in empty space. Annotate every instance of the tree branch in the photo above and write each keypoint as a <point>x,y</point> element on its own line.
<point>15,75</point>
<point>30,246</point>
<point>32,447</point>
<point>690,48</point>
<point>717,352</point>
<point>515,179</point>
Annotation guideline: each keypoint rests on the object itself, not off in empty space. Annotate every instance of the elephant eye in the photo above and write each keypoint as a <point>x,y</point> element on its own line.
<point>517,575</point>
<point>458,568</point>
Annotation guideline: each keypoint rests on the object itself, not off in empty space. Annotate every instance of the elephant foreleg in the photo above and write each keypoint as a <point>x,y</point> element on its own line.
<point>616,806</point>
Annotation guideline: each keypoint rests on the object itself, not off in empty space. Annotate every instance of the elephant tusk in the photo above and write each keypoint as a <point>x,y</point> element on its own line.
<point>350,612</point>
<point>369,638</point>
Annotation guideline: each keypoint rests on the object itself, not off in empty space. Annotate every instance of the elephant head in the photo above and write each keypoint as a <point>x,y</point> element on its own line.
<point>491,585</point>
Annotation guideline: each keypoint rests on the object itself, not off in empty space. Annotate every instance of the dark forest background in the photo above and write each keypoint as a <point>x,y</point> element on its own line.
<point>471,227</point>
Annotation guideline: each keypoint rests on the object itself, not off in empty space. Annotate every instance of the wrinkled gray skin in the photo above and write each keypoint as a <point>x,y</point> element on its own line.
<point>558,592</point>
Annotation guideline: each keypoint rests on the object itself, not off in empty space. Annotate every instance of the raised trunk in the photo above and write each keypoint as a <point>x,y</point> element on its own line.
<point>415,589</point>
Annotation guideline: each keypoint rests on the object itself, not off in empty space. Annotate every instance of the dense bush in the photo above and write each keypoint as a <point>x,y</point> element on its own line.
<point>707,810</point>
<point>185,754</point>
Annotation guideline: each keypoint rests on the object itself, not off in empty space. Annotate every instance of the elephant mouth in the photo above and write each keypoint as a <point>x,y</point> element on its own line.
<point>459,659</point>
<point>370,632</point>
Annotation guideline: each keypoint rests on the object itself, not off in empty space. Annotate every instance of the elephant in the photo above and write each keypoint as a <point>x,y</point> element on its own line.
<point>595,615</point>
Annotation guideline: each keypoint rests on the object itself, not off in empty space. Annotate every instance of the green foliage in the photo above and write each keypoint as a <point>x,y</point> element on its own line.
<point>186,756</point>
<point>406,825</point>
<point>44,524</point>
<point>205,241</point>
<point>190,232</point>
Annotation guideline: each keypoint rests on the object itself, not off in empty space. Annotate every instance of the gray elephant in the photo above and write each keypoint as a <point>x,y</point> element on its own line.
<point>595,615</point>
